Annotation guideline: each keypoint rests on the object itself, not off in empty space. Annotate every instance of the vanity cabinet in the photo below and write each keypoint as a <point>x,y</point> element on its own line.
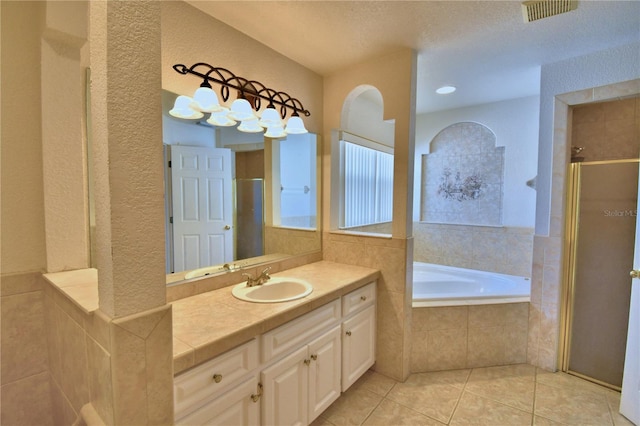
<point>297,388</point>
<point>238,406</point>
<point>288,375</point>
<point>358,345</point>
<point>224,384</point>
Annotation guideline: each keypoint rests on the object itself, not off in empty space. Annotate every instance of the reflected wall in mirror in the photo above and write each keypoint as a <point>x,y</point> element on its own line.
<point>235,199</point>
<point>363,173</point>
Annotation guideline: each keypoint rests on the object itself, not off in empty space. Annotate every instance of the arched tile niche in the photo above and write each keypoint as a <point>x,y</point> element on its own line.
<point>463,177</point>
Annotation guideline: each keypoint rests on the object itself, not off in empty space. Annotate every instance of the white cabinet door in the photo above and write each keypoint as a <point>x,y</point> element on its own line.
<point>285,390</point>
<point>358,345</point>
<point>324,372</point>
<point>236,407</point>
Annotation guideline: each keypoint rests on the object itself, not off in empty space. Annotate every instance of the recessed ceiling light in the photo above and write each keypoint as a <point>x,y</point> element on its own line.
<point>445,90</point>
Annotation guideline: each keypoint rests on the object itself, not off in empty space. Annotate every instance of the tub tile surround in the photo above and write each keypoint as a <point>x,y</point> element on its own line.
<point>25,382</point>
<point>513,394</point>
<point>109,368</point>
<point>393,357</point>
<point>506,250</point>
<point>208,324</point>
<point>448,338</point>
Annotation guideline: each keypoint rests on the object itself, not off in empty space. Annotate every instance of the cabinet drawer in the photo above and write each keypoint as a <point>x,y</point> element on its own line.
<point>207,380</point>
<point>358,299</point>
<point>234,407</point>
<point>297,332</point>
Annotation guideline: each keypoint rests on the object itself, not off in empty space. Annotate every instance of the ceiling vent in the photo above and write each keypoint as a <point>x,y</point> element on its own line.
<point>539,9</point>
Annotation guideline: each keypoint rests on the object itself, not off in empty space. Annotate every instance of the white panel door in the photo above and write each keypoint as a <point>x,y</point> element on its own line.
<point>324,371</point>
<point>285,391</point>
<point>630,399</point>
<point>202,206</point>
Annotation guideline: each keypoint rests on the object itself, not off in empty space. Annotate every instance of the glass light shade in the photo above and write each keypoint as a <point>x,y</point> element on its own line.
<point>241,110</point>
<point>205,100</point>
<point>182,109</point>
<point>275,132</point>
<point>445,90</point>
<point>221,119</point>
<point>250,126</point>
<point>270,117</point>
<point>295,126</point>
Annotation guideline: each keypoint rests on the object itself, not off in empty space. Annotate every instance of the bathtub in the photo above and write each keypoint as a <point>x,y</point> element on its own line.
<point>437,285</point>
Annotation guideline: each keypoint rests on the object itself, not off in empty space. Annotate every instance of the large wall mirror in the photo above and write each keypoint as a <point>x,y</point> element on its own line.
<point>236,199</point>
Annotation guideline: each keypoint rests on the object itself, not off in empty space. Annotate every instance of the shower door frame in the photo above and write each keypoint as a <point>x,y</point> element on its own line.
<point>572,214</point>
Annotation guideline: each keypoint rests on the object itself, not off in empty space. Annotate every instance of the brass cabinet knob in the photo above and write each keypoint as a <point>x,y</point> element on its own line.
<point>348,333</point>
<point>314,357</point>
<point>256,396</point>
<point>363,298</point>
<point>217,378</point>
<point>307,361</point>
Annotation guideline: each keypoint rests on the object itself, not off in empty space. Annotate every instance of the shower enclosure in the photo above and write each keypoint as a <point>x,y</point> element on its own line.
<point>601,221</point>
<point>249,218</point>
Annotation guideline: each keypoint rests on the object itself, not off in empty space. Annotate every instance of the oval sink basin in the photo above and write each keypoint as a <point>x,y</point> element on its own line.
<point>277,289</point>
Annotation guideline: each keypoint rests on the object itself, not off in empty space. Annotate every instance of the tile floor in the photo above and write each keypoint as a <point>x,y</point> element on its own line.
<point>507,395</point>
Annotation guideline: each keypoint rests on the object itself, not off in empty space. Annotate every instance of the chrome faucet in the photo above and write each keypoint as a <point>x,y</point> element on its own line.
<point>263,278</point>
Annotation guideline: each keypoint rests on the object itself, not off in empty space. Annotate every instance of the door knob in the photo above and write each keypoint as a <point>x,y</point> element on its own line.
<point>635,273</point>
<point>227,227</point>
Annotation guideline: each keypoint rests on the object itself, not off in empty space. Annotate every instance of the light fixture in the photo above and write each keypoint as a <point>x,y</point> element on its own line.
<point>295,126</point>
<point>275,132</point>
<point>245,108</point>
<point>182,109</point>
<point>270,117</point>
<point>445,90</point>
<point>250,126</point>
<point>221,119</point>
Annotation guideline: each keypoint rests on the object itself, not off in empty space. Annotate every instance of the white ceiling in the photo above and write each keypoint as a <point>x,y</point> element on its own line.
<point>484,48</point>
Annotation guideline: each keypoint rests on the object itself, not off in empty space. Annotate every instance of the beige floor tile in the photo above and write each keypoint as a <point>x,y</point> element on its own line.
<point>515,391</point>
<point>375,382</point>
<point>432,394</point>
<point>353,407</point>
<point>391,413</point>
<point>476,410</point>
<point>455,378</point>
<point>321,421</point>
<point>564,380</point>
<point>571,405</point>
<point>541,421</point>
<point>613,399</point>
<point>516,370</point>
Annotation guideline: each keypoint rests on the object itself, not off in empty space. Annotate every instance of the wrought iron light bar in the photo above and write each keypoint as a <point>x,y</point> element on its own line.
<point>248,89</point>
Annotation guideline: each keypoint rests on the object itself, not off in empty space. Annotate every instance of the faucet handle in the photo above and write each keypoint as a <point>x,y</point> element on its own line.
<point>266,270</point>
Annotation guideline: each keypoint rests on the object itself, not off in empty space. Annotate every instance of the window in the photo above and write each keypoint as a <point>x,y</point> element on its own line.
<point>367,186</point>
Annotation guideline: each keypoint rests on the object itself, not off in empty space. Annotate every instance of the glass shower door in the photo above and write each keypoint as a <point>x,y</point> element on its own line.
<point>602,258</point>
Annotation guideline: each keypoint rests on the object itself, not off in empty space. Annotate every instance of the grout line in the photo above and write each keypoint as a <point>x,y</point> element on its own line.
<point>464,387</point>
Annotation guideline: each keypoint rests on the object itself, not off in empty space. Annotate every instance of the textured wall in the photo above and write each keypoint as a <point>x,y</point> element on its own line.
<point>584,72</point>
<point>129,186</point>
<point>22,232</point>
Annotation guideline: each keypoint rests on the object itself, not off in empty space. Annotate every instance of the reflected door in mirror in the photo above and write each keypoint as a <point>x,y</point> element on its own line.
<point>202,206</point>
